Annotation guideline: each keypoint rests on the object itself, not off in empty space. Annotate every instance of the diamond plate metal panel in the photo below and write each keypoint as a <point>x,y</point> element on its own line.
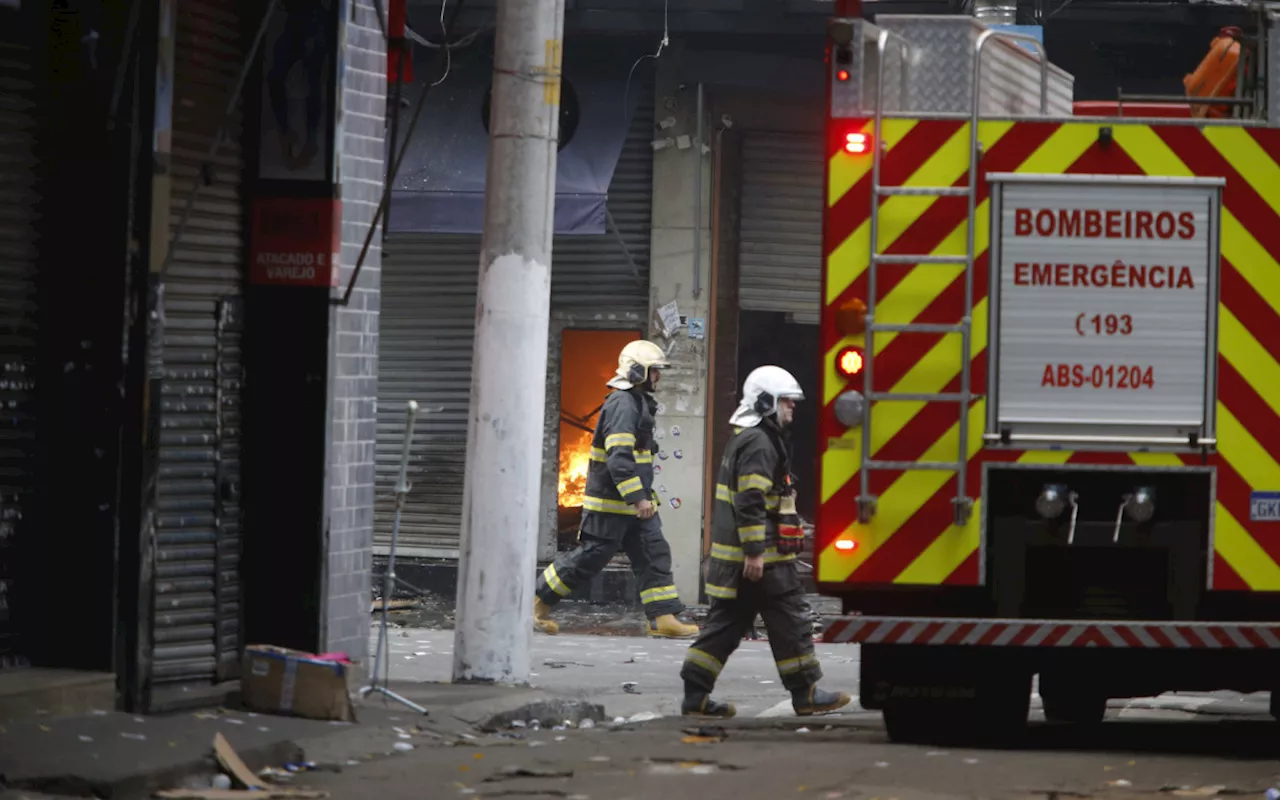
<point>940,70</point>
<point>1273,69</point>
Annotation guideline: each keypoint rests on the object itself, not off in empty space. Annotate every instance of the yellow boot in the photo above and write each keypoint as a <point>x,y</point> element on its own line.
<point>542,621</point>
<point>668,627</point>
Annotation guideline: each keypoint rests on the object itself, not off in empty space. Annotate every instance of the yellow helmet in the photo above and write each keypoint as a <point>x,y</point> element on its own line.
<point>635,361</point>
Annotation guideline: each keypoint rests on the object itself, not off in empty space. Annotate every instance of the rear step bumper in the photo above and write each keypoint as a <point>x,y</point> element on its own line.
<point>1051,633</point>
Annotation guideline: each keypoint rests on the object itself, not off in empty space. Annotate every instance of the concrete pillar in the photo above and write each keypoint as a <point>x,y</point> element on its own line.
<point>678,197</point>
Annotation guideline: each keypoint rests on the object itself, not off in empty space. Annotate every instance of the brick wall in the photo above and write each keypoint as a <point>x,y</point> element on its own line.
<point>354,343</point>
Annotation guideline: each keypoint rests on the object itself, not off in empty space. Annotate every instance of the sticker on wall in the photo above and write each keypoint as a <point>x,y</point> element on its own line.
<point>675,502</point>
<point>697,328</point>
<point>678,454</point>
<point>675,430</point>
<point>657,469</point>
<point>659,433</point>
<point>662,454</point>
<point>662,408</point>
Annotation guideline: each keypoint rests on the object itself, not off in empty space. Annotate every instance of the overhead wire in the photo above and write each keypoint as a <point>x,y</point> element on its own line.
<point>399,155</point>
<point>666,40</point>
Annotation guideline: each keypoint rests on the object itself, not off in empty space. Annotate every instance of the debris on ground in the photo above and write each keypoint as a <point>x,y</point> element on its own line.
<point>631,687</point>
<point>248,786</point>
<point>514,771</point>
<point>560,664</point>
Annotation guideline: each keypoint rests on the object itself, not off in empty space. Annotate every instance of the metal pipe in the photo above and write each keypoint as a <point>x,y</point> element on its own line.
<point>205,165</point>
<point>499,547</point>
<point>975,155</point>
<point>1127,441</point>
<point>697,201</point>
<point>869,337</point>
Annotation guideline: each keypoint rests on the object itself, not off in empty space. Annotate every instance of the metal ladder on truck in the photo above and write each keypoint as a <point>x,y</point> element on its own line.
<point>962,503</point>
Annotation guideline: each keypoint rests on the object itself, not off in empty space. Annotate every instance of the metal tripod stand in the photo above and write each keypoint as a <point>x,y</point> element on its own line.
<point>389,577</point>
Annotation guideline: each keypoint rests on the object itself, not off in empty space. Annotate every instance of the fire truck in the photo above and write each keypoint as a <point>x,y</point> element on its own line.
<point>1050,424</point>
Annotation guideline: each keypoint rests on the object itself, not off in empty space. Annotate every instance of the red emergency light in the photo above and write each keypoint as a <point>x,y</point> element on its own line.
<point>857,143</point>
<point>849,362</point>
<point>842,75</point>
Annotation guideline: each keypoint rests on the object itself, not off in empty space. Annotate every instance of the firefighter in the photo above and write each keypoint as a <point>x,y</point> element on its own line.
<point>620,508</point>
<point>755,537</point>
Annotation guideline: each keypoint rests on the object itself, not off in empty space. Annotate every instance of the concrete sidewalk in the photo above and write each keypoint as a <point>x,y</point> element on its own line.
<point>122,757</point>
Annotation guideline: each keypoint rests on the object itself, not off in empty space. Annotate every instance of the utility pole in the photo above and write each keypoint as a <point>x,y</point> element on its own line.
<point>509,373</point>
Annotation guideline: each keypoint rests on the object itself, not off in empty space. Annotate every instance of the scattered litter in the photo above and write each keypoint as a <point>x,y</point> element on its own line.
<point>1119,782</point>
<point>403,747</point>
<point>766,681</point>
<point>603,759</point>
<point>1273,794</point>
<point>267,793</point>
<point>235,721</point>
<point>537,744</point>
<point>514,771</point>
<point>84,738</point>
<point>971,761</point>
<point>644,716</point>
<point>937,753</point>
<point>561,738</point>
<point>587,723</point>
<point>517,723</point>
<point>221,782</point>
<point>704,733</point>
<point>137,737</point>
<point>631,687</point>
<point>535,725</point>
<point>802,730</point>
<point>1201,791</point>
<point>882,764</point>
<point>619,720</point>
<point>684,768</point>
<point>554,664</point>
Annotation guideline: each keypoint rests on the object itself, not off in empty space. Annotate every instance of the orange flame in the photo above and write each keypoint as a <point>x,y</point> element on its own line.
<point>575,455</point>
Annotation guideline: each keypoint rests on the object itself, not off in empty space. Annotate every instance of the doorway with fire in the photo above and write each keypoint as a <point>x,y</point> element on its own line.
<point>588,359</point>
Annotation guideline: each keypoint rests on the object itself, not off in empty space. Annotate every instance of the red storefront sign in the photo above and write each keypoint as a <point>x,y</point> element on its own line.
<point>296,241</point>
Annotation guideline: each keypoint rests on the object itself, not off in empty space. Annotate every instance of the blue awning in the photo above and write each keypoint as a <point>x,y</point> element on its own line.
<point>440,187</point>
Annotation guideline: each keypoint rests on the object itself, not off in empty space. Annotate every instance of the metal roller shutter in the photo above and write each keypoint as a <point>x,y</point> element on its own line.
<point>18,199</point>
<point>428,327</point>
<point>197,543</point>
<point>780,239</point>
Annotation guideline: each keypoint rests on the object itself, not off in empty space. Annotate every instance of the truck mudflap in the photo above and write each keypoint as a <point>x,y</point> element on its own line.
<point>1050,633</point>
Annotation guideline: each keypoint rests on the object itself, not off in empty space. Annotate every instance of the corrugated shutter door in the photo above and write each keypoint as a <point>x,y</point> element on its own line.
<point>428,328</point>
<point>18,199</point>
<point>197,545</point>
<point>780,239</point>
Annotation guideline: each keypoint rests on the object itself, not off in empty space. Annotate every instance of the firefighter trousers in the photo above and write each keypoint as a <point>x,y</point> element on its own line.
<point>778,599</point>
<point>598,540</point>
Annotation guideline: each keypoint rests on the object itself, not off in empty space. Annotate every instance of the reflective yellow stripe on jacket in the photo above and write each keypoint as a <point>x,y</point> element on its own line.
<point>727,552</point>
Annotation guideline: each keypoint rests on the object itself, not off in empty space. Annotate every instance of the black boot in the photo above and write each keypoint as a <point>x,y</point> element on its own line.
<point>813,700</point>
<point>698,703</point>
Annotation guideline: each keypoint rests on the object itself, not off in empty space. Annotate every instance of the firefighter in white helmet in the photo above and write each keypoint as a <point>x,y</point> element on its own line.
<point>620,508</point>
<point>755,537</point>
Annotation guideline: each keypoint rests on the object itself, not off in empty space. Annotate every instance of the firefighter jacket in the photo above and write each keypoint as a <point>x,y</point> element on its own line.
<point>753,474</point>
<point>620,472</point>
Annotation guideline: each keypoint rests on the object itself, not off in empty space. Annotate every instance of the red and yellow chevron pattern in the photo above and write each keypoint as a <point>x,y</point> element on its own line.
<point>912,540</point>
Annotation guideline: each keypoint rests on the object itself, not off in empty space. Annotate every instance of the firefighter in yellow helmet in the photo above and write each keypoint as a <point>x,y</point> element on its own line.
<point>620,508</point>
<point>755,537</point>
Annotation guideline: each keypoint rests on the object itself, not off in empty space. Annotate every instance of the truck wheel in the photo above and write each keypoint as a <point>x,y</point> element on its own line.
<point>1075,710</point>
<point>914,723</point>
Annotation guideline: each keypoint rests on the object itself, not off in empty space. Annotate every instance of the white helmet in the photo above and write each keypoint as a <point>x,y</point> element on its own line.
<point>634,363</point>
<point>760,393</point>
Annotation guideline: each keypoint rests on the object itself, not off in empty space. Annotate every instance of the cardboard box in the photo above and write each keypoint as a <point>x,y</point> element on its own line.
<point>276,680</point>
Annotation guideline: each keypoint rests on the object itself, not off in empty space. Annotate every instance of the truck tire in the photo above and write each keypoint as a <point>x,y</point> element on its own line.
<point>996,716</point>
<point>1075,710</point>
